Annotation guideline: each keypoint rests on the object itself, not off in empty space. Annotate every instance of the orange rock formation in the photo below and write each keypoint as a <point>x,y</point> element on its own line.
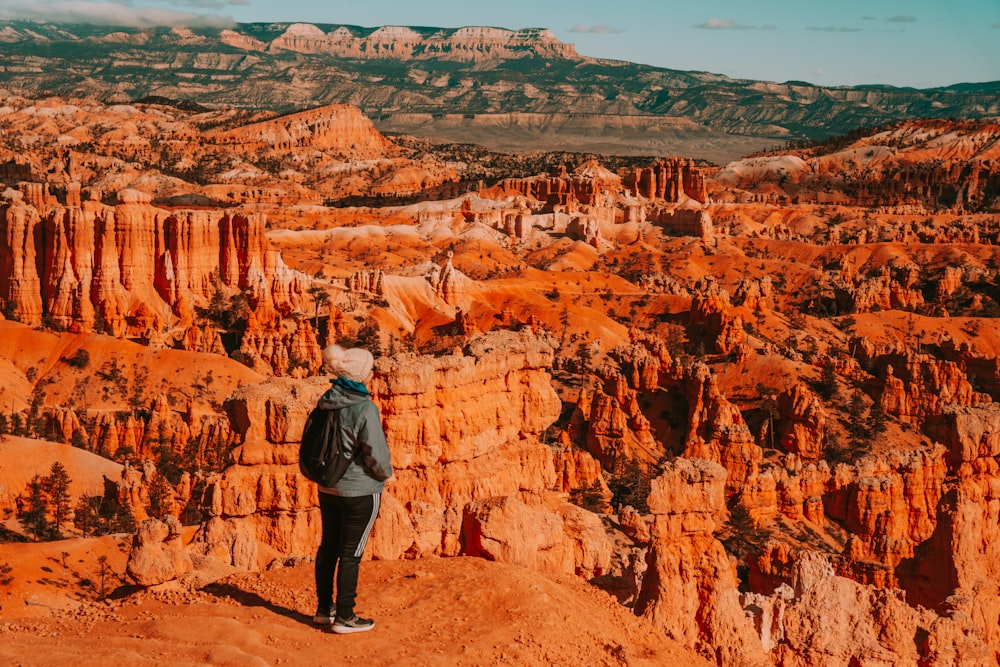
<point>776,421</point>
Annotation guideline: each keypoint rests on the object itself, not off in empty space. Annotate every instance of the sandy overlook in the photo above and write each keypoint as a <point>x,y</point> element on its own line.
<point>642,411</point>
<point>266,619</point>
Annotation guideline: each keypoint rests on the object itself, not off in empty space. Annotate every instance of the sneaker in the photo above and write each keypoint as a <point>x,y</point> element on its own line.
<point>355,623</point>
<point>323,617</point>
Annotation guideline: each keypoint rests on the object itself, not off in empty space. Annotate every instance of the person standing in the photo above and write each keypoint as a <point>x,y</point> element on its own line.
<point>349,508</point>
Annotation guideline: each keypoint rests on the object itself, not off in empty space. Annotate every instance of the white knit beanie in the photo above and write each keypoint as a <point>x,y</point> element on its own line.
<point>354,364</point>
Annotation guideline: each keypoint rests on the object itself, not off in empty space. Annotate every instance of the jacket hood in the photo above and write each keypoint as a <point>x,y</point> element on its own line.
<point>338,396</point>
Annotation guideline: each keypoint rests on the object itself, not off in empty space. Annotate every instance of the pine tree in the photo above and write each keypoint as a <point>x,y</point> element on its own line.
<point>17,425</point>
<point>857,424</point>
<point>57,484</point>
<point>161,497</point>
<point>320,299</point>
<point>123,520</point>
<point>590,498</point>
<point>630,485</point>
<point>36,517</point>
<point>744,538</point>
<point>877,419</point>
<point>103,570</point>
<point>856,407</point>
<point>137,391</point>
<point>826,387</point>
<point>36,414</point>
<point>87,516</point>
<point>769,406</point>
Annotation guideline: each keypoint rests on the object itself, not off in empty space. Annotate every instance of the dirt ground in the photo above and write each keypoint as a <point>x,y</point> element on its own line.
<point>454,611</point>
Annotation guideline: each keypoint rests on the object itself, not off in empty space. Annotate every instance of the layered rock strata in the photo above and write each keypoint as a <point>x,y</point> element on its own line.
<point>469,467</point>
<point>338,127</point>
<point>121,268</point>
<point>470,43</point>
<point>670,179</point>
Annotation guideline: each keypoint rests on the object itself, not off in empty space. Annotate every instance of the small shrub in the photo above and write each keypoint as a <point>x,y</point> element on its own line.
<point>6,574</point>
<point>79,360</point>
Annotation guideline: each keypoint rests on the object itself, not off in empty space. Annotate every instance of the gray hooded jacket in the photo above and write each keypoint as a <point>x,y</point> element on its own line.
<point>360,427</point>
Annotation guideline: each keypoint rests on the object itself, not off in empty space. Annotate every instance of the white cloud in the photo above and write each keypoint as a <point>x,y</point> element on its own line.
<point>723,24</point>
<point>902,18</point>
<point>596,29</point>
<point>109,13</point>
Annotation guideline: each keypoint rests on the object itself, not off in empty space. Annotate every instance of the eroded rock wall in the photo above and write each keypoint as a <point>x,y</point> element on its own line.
<point>121,268</point>
<point>471,473</point>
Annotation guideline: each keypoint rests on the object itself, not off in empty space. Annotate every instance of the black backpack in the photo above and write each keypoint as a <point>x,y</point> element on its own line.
<point>322,459</point>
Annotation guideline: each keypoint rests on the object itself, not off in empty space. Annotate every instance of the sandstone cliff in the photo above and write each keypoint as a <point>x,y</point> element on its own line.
<point>924,164</point>
<point>473,43</point>
<point>469,467</point>
<point>341,128</point>
<point>132,267</point>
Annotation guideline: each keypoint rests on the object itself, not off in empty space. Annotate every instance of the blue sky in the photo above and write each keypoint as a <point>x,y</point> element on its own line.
<point>920,43</point>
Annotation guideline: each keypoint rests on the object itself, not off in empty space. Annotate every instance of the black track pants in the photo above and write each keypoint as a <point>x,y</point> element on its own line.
<point>347,522</point>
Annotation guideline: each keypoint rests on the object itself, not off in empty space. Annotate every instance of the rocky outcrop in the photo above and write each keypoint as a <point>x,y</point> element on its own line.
<point>610,423</point>
<point>20,286</point>
<point>755,293</point>
<point>648,407</point>
<point>578,470</point>
<point>917,386</point>
<point>272,345</point>
<point>677,221</point>
<point>689,590</point>
<point>204,338</point>
<point>585,229</point>
<point>860,625</point>
<point>444,456</point>
<point>969,433</point>
<point>889,507</point>
<point>589,185</point>
<point>953,570</point>
<point>568,539</point>
<point>450,284</point>
<point>670,179</point>
<point>158,553</point>
<point>715,316</point>
<point>122,268</point>
<point>715,429</point>
<point>803,422</point>
<point>471,43</point>
<point>371,281</point>
<point>338,128</point>
<point>889,289</point>
<point>792,490</point>
<point>462,430</point>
